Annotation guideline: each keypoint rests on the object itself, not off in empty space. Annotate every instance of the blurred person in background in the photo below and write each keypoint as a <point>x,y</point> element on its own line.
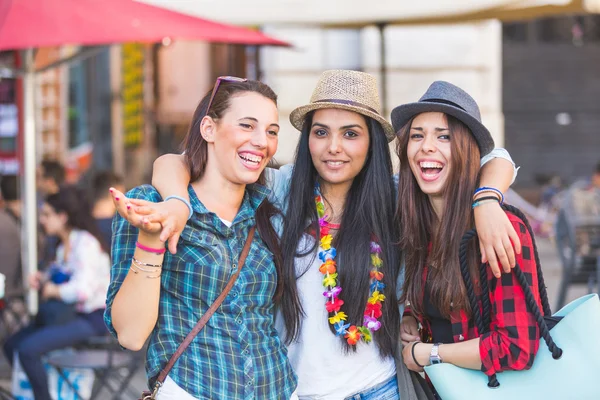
<point>596,177</point>
<point>104,209</point>
<point>79,276</point>
<point>50,177</point>
<point>10,235</point>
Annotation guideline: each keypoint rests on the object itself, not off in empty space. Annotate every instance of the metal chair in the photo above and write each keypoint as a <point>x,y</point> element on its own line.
<point>113,367</point>
<point>13,315</point>
<point>578,239</point>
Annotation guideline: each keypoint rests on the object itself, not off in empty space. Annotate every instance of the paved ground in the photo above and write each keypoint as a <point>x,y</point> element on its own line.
<point>550,265</point>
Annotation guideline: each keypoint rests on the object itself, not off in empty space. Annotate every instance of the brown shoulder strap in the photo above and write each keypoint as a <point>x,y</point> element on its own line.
<point>211,310</point>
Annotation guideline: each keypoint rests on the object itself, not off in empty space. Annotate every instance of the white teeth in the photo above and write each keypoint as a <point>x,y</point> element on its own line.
<point>251,158</point>
<point>334,163</point>
<point>430,164</point>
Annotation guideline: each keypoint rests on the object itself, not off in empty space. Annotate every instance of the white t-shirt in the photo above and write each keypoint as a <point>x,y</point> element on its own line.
<point>325,370</point>
<point>172,391</point>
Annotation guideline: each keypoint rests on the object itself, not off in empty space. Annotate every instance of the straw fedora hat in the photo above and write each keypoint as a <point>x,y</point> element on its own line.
<point>347,90</point>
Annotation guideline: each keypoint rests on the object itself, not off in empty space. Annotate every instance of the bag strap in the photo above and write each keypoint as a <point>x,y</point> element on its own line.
<point>202,322</point>
<point>483,317</point>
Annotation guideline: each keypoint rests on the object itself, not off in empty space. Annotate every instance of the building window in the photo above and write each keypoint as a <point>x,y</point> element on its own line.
<point>514,32</point>
<point>556,30</point>
<point>78,110</point>
<point>591,28</point>
<point>9,118</point>
<point>228,59</point>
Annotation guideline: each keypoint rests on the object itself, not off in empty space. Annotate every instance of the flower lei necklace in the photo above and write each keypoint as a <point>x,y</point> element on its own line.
<point>327,254</point>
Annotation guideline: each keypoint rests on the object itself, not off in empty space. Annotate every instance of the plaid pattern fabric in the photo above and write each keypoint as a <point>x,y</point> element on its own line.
<point>513,339</point>
<point>238,354</point>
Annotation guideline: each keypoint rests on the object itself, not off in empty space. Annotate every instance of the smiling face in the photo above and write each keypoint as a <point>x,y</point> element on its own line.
<point>339,144</point>
<point>429,152</point>
<point>242,142</point>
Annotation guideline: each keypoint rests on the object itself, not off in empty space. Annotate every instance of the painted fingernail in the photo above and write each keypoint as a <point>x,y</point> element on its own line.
<point>111,190</point>
<point>116,198</point>
<point>128,206</point>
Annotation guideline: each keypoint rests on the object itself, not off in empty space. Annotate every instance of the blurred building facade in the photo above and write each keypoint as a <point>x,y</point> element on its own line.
<point>551,97</point>
<point>468,55</point>
<point>537,84</point>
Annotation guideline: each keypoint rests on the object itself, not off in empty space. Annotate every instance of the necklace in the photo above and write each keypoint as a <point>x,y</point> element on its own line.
<point>327,254</point>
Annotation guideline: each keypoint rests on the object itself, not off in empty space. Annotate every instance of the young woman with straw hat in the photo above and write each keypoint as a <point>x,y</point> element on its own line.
<point>339,311</point>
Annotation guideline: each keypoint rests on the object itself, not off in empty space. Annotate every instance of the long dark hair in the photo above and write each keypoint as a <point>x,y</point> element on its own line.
<point>75,204</point>
<point>419,225</point>
<point>196,156</point>
<point>368,212</point>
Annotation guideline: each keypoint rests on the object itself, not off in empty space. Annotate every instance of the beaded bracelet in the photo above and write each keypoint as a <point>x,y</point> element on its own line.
<point>489,189</point>
<point>187,203</point>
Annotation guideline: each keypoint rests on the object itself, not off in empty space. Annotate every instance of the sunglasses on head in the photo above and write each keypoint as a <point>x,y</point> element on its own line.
<point>218,83</point>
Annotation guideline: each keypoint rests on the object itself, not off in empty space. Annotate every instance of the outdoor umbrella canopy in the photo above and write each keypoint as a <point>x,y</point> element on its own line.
<point>30,24</point>
<point>41,23</point>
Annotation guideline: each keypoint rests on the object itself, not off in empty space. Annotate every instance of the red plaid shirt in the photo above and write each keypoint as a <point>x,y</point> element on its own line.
<point>513,339</point>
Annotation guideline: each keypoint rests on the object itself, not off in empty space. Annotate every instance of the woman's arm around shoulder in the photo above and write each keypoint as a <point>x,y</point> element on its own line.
<point>513,339</point>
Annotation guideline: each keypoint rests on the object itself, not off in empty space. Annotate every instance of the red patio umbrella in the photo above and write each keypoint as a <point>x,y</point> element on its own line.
<point>30,24</point>
<point>40,23</point>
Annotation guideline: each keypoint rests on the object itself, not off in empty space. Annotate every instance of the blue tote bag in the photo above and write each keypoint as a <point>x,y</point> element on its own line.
<point>566,366</point>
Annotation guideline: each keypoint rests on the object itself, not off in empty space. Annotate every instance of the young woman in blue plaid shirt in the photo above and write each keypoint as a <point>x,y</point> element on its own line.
<point>160,298</point>
<point>342,154</point>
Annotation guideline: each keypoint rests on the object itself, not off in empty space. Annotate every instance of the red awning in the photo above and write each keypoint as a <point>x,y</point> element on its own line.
<point>42,23</point>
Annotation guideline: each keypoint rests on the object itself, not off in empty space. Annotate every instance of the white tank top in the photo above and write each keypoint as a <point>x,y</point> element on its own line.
<point>325,371</point>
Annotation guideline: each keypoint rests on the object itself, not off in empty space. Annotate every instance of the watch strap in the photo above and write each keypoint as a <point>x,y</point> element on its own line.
<point>434,356</point>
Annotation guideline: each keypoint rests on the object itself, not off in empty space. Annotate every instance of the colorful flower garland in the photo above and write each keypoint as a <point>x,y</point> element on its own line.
<point>327,254</point>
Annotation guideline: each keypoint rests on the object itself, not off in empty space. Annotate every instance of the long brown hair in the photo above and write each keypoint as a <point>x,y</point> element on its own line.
<point>420,226</point>
<point>196,156</point>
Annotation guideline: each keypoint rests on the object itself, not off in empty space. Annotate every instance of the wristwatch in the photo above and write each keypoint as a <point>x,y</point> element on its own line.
<point>434,356</point>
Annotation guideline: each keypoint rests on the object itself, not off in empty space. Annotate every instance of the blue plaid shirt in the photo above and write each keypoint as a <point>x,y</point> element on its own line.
<point>238,354</point>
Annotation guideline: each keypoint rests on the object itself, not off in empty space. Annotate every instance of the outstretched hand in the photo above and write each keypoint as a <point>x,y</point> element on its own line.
<point>168,218</point>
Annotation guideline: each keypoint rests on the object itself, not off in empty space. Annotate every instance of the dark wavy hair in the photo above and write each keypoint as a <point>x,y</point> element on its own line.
<point>75,204</point>
<point>368,212</point>
<point>419,225</point>
<point>196,156</point>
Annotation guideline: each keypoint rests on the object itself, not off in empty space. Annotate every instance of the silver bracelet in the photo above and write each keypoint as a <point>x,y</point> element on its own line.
<point>135,260</point>
<point>187,203</point>
<point>141,268</point>
<point>132,269</point>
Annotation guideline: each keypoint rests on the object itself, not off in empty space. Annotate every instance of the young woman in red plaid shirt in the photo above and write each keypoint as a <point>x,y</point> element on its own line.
<point>439,157</point>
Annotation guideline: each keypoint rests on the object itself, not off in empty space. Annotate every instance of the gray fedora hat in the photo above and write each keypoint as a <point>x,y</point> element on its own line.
<point>452,100</point>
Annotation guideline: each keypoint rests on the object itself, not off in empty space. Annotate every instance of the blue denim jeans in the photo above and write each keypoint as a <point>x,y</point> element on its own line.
<point>33,342</point>
<point>387,390</point>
